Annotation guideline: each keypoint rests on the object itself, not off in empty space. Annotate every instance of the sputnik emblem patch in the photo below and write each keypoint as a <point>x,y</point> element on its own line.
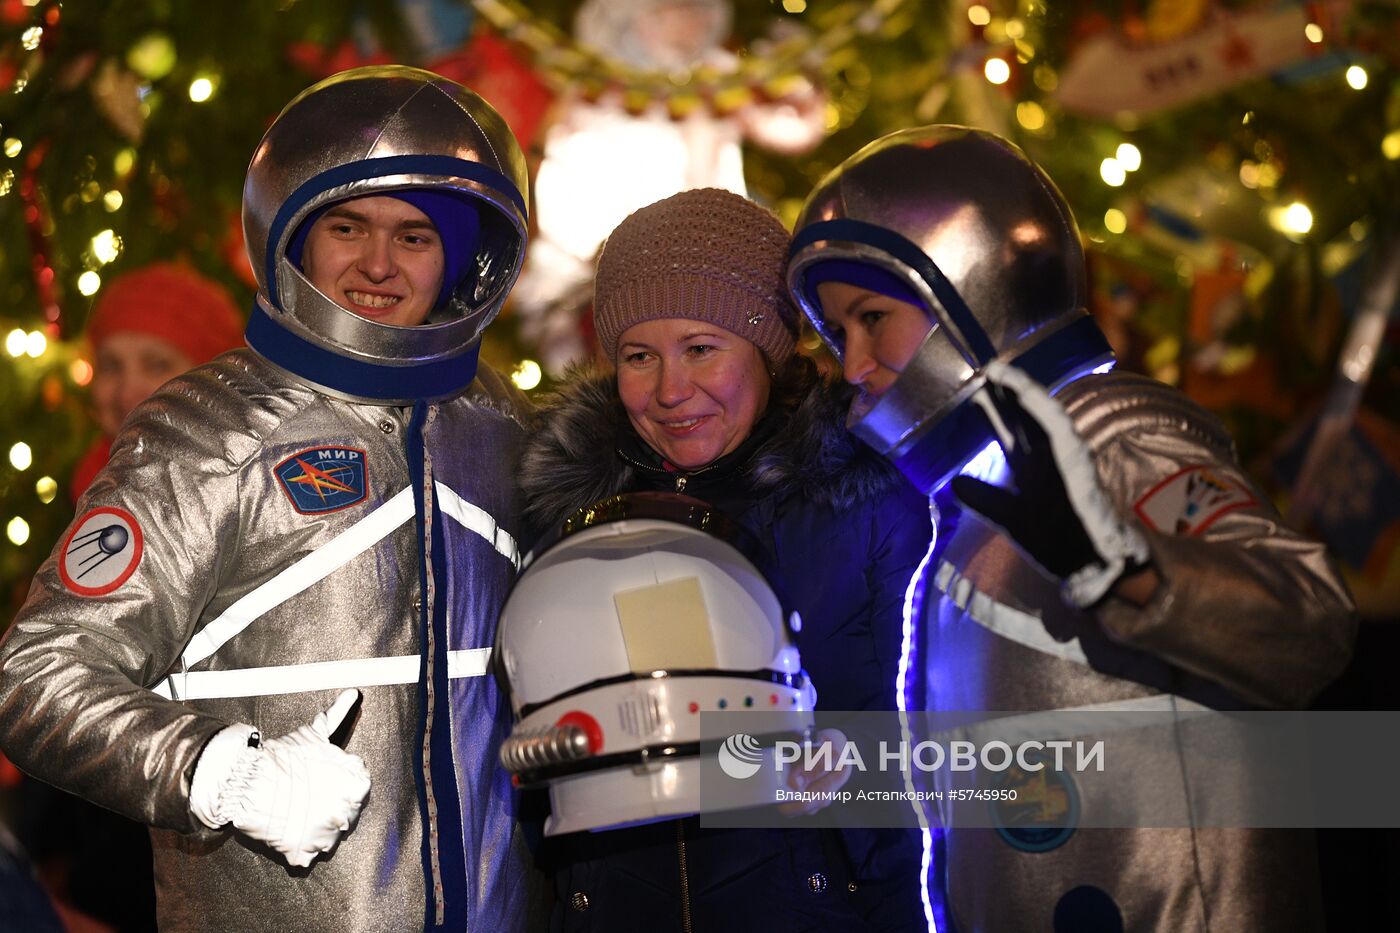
<point>101,552</point>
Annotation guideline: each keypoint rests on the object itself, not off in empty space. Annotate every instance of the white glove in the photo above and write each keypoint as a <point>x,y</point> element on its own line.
<point>298,793</point>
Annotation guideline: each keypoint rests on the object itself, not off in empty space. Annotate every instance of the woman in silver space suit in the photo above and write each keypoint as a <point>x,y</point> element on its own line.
<point>709,399</point>
<point>1130,563</point>
<point>328,512</point>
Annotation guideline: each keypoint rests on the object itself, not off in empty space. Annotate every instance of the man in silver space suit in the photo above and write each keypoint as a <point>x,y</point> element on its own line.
<point>266,632</point>
<point>1126,564</point>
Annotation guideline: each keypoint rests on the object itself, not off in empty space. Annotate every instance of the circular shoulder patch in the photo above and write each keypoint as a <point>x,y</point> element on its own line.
<point>101,552</point>
<point>1045,812</point>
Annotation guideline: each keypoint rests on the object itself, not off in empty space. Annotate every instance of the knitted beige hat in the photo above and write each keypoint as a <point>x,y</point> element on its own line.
<point>707,255</point>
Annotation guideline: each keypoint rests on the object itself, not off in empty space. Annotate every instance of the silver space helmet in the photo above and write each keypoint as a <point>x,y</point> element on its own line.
<point>961,223</point>
<point>402,132</point>
<point>641,613</point>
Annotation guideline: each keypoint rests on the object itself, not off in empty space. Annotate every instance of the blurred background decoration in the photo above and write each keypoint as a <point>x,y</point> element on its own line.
<point>1234,165</point>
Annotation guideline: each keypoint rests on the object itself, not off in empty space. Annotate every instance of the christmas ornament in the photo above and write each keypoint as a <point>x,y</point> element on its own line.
<point>1109,74</point>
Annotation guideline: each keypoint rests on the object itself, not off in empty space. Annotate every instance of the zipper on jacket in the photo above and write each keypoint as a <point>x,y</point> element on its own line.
<point>434,857</point>
<point>681,478</point>
<point>685,877</point>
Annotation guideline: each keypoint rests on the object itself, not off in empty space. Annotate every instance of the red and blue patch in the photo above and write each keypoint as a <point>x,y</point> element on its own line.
<point>1189,501</point>
<point>323,479</point>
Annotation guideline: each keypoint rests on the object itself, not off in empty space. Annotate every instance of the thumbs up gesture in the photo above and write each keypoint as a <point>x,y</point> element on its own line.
<point>298,793</point>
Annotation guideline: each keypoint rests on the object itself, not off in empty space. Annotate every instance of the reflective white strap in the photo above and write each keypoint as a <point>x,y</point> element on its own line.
<point>319,675</point>
<point>474,518</point>
<point>1008,622</point>
<point>327,559</point>
<point>312,568</point>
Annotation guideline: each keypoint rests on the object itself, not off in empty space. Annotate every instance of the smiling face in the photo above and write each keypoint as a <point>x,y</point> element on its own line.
<point>693,391</point>
<point>378,257</point>
<point>880,334</point>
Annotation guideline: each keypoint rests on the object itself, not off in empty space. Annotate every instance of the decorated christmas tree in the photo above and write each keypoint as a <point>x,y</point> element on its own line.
<point>1234,166</point>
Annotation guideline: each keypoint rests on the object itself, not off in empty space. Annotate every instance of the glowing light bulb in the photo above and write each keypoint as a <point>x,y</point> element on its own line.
<point>89,283</point>
<point>1357,77</point>
<point>112,201</point>
<point>1115,221</point>
<point>16,341</point>
<point>81,371</point>
<point>1129,156</point>
<point>997,70</point>
<point>1390,145</point>
<point>106,246</point>
<point>35,343</point>
<point>1293,221</point>
<point>21,456</point>
<point>1030,115</point>
<point>201,89</point>
<point>1112,173</point>
<point>17,531</point>
<point>152,57</point>
<point>1314,33</point>
<point>979,15</point>
<point>527,375</point>
<point>46,489</point>
<point>1297,218</point>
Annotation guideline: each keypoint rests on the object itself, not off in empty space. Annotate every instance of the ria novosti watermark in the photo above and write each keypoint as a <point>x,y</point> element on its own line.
<point>1037,776</point>
<point>740,756</point>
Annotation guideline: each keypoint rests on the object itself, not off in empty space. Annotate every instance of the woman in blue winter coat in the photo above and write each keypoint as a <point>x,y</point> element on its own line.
<point>710,399</point>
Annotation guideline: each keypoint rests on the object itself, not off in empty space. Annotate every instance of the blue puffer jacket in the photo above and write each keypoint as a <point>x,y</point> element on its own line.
<point>846,533</point>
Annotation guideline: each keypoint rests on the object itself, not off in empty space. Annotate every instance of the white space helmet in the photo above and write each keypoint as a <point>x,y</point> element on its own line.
<point>642,614</point>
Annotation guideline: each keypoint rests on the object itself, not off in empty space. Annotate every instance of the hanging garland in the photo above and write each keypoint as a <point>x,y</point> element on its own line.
<point>35,42</point>
<point>777,72</point>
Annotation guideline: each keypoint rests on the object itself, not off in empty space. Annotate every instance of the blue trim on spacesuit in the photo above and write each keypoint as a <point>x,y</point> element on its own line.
<point>856,231</point>
<point>1073,351</point>
<point>299,356</point>
<point>442,822</point>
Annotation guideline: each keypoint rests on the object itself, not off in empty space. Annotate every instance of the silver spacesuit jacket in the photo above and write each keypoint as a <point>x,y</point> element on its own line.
<point>1247,611</point>
<point>247,585</point>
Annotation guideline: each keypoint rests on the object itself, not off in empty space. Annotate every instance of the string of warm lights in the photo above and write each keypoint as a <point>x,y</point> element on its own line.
<point>769,73</point>
<point>34,345</point>
<point>20,179</point>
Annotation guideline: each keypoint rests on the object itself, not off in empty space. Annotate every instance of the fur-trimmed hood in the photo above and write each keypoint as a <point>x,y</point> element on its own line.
<point>571,459</point>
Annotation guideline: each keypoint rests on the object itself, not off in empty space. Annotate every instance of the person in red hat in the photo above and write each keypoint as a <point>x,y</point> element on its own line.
<point>150,325</point>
